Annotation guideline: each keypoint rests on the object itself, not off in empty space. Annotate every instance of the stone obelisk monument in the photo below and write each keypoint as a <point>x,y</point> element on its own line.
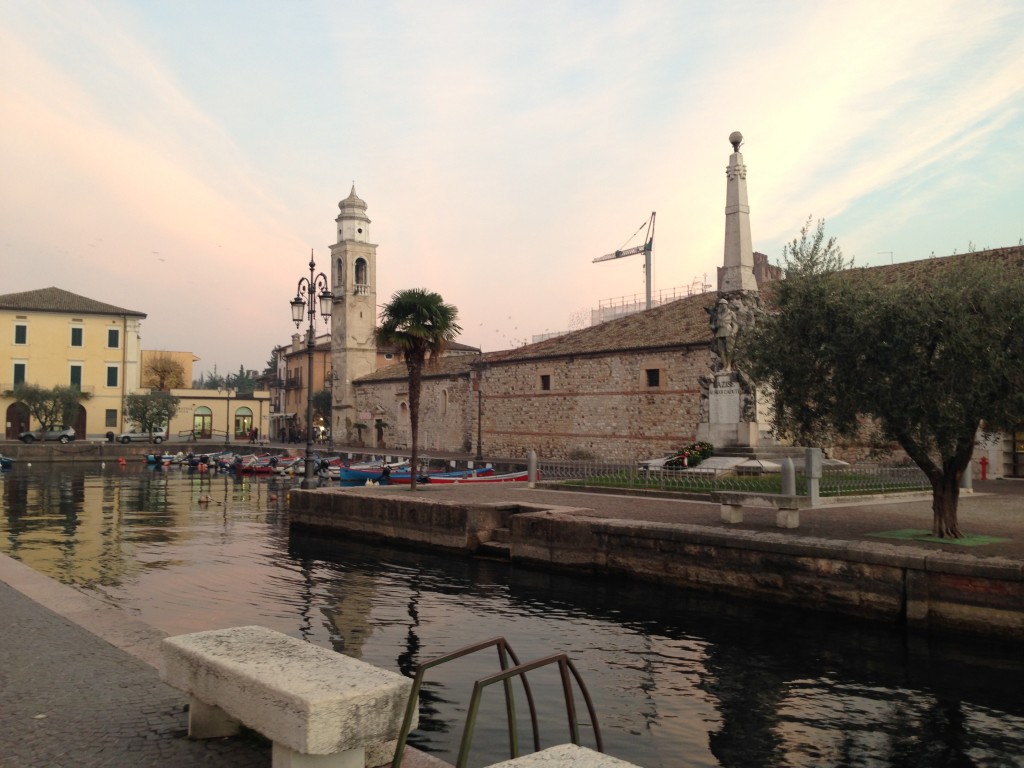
<point>732,413</point>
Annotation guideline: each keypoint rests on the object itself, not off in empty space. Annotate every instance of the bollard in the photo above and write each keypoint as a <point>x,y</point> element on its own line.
<point>788,477</point>
<point>967,478</point>
<point>812,470</point>
<point>531,469</point>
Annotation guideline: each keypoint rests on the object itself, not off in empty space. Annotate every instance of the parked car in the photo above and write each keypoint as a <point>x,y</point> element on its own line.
<point>658,463</point>
<point>64,435</point>
<point>136,435</point>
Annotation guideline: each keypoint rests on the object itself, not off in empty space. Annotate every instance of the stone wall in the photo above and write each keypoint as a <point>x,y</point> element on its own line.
<point>926,589</point>
<point>600,406</point>
<point>447,412</point>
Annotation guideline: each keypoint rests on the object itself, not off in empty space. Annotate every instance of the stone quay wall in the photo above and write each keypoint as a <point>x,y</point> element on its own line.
<point>923,589</point>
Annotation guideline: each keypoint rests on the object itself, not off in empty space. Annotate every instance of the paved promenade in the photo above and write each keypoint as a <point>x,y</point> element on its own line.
<point>78,680</point>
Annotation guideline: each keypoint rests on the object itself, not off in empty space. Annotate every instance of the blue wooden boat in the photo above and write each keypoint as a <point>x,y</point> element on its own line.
<point>6,462</point>
<point>404,477</point>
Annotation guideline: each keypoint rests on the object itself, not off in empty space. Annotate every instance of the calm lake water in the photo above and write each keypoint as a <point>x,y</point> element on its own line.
<point>678,679</point>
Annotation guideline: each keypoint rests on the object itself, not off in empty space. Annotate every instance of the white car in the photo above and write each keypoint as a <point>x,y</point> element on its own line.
<point>658,463</point>
<point>136,435</point>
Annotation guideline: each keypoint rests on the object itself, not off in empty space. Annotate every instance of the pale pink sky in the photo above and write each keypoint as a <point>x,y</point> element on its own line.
<point>182,158</point>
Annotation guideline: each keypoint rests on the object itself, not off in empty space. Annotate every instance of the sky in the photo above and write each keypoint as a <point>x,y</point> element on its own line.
<point>184,158</point>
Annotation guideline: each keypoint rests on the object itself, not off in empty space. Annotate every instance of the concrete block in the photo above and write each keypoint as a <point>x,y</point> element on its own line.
<point>206,721</point>
<point>564,756</point>
<point>787,518</point>
<point>731,513</point>
<point>306,698</point>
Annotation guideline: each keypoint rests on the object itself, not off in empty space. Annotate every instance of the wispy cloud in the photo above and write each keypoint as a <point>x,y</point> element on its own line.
<point>501,147</point>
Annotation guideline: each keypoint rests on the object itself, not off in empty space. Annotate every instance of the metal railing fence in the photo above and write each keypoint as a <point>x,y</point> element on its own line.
<point>857,479</point>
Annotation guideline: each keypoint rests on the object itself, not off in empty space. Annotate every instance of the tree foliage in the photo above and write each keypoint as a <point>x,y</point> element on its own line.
<point>420,325</point>
<point>270,369</point>
<point>243,381</point>
<point>922,356</point>
<point>53,407</point>
<point>163,372</point>
<point>812,254</point>
<point>152,411</point>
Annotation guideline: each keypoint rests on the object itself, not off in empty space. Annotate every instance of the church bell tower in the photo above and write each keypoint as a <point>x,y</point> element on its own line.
<point>354,284</point>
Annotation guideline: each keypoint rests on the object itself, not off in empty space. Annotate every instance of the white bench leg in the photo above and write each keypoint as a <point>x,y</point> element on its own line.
<point>284,757</point>
<point>206,721</point>
<point>731,513</point>
<point>787,518</point>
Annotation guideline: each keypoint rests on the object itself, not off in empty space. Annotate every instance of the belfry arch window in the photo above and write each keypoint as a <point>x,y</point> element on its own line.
<point>362,283</point>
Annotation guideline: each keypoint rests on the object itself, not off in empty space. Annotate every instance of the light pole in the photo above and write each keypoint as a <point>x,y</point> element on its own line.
<point>305,304</point>
<point>227,419</point>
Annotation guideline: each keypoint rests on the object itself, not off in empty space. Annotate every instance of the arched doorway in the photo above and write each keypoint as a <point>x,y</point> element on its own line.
<point>79,424</point>
<point>243,423</point>
<point>17,420</point>
<point>202,422</point>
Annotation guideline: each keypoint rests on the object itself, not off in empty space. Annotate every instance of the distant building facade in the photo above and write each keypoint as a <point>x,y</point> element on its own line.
<point>56,337</point>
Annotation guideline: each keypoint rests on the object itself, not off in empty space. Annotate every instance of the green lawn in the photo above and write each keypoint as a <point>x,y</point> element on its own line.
<point>845,483</point>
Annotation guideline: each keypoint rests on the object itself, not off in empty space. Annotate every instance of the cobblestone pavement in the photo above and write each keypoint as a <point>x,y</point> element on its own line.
<point>69,698</point>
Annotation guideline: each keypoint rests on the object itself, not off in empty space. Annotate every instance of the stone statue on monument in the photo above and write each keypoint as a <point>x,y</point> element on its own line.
<point>725,325</point>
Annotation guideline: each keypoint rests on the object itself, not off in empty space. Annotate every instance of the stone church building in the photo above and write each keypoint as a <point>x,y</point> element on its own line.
<point>637,386</point>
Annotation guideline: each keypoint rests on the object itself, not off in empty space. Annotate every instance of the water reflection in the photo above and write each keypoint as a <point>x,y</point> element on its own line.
<point>677,678</point>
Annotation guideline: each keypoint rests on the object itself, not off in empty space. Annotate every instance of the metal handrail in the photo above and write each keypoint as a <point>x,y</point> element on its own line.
<point>504,653</point>
<point>565,666</point>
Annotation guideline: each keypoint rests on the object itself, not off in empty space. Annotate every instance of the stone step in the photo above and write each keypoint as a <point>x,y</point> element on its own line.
<point>494,550</point>
<point>765,452</point>
<point>501,535</point>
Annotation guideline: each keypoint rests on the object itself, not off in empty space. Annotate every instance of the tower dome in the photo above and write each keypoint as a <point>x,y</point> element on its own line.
<point>352,204</point>
<point>353,223</point>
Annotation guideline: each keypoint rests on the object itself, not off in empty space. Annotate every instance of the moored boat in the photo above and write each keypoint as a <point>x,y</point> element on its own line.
<point>508,477</point>
<point>7,462</point>
<point>404,477</point>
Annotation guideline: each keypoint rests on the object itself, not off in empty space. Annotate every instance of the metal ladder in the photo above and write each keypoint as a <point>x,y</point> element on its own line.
<point>505,652</point>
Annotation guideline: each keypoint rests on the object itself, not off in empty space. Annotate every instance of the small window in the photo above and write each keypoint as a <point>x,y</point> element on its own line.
<point>110,417</point>
<point>545,382</point>
<point>389,356</point>
<point>19,373</point>
<point>76,337</point>
<point>76,377</point>
<point>653,377</point>
<point>21,334</point>
<point>111,375</point>
<point>113,338</point>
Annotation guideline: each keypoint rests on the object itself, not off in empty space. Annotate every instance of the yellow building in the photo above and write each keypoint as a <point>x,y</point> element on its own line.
<point>220,416</point>
<point>52,337</point>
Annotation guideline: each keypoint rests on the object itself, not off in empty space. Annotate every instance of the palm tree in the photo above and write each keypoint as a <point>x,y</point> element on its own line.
<point>417,322</point>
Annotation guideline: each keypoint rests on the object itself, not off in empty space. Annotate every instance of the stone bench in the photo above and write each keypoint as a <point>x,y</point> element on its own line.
<point>564,756</point>
<point>787,507</point>
<point>318,707</point>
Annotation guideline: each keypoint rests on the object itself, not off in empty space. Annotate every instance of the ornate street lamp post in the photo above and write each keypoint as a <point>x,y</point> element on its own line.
<point>304,303</point>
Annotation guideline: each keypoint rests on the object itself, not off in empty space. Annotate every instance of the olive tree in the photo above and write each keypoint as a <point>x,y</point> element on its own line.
<point>53,407</point>
<point>152,411</point>
<point>922,355</point>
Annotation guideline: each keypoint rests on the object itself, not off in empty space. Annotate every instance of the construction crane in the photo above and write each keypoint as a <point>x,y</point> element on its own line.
<point>645,249</point>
